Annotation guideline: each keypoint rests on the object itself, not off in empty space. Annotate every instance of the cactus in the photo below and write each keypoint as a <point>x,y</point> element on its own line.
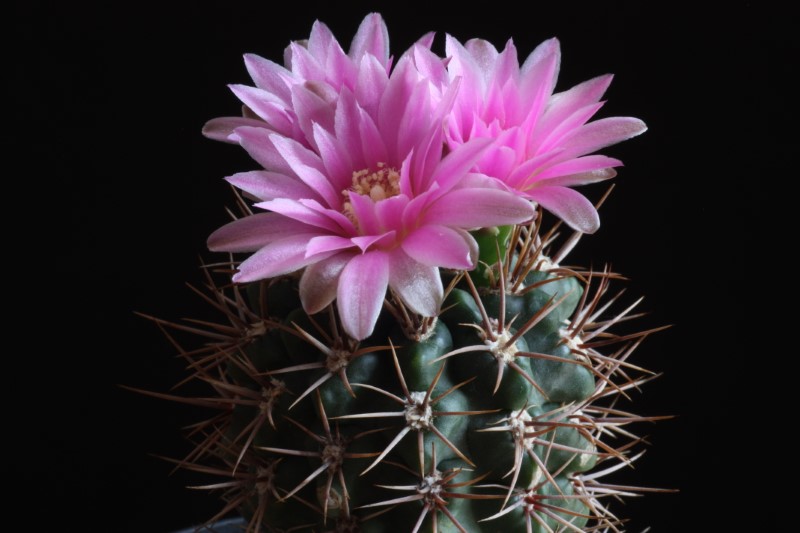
<point>405,350</point>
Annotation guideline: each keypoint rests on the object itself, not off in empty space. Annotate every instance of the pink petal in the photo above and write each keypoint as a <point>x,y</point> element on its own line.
<point>541,67</point>
<point>484,54</point>
<point>547,140</point>
<point>426,40</point>
<point>340,69</point>
<point>319,282</point>
<point>257,142</point>
<point>308,167</point>
<point>265,105</point>
<point>412,126</point>
<point>390,111</point>
<point>456,164</point>
<point>570,206</point>
<point>563,104</point>
<point>390,211</point>
<point>506,66</point>
<point>538,76</point>
<point>338,167</point>
<point>430,65</point>
<point>270,76</point>
<point>303,64</point>
<point>582,178</point>
<point>601,133</point>
<point>327,243</point>
<point>298,210</point>
<point>270,185</point>
<point>253,232</point>
<point>334,215</point>
<point>361,291</point>
<point>320,40</point>
<point>371,141</point>
<point>479,208</point>
<point>426,156</point>
<point>276,259</point>
<point>222,128</point>
<point>498,162</point>
<point>418,285</point>
<point>441,246</point>
<point>346,126</point>
<point>371,38</point>
<point>364,212</point>
<point>463,64</point>
<point>578,165</point>
<point>523,173</point>
<point>365,242</point>
<point>311,108</point>
<point>370,84</point>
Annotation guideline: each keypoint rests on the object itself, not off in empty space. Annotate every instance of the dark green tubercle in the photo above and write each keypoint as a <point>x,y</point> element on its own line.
<point>486,418</point>
<point>494,405</point>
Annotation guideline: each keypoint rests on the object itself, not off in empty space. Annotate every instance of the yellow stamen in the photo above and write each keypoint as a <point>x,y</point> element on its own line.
<point>379,185</point>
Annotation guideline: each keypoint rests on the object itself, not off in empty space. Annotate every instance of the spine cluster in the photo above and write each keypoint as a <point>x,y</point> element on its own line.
<point>504,413</point>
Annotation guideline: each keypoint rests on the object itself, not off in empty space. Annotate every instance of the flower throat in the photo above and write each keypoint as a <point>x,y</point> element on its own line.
<point>378,185</point>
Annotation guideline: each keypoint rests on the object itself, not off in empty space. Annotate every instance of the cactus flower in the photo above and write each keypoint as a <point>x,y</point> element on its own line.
<point>359,191</point>
<point>545,142</point>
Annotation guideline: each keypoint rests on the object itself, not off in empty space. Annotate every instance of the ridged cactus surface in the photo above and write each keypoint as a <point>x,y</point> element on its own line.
<point>485,418</point>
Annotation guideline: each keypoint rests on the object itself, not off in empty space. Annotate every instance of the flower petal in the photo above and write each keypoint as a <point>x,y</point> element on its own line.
<point>440,246</point>
<point>361,291</point>
<point>270,185</point>
<point>258,144</point>
<point>303,64</point>
<point>484,54</point>
<point>311,108</point>
<point>582,178</point>
<point>266,106</point>
<point>270,76</point>
<point>276,259</point>
<point>222,128</point>
<point>418,285</point>
<point>302,211</point>
<point>601,133</point>
<point>457,163</point>
<point>539,73</point>
<point>370,84</point>
<point>319,282</point>
<point>346,126</point>
<point>253,232</point>
<point>364,212</point>
<point>563,104</point>
<point>339,168</point>
<point>579,165</point>
<point>327,243</point>
<point>371,38</point>
<point>308,167</point>
<point>570,206</point>
<point>383,240</point>
<point>479,208</point>
<point>563,131</point>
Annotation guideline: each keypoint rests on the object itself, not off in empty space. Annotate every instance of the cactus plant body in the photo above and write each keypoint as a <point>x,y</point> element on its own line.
<point>406,349</point>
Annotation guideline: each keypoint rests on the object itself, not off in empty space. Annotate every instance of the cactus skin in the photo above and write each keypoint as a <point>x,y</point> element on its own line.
<point>483,419</point>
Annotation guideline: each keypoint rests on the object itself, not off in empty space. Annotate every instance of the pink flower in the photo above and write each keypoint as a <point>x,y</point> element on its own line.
<point>314,74</point>
<point>357,191</point>
<point>543,138</point>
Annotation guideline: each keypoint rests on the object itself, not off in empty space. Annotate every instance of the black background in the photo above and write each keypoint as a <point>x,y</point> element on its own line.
<point>119,190</point>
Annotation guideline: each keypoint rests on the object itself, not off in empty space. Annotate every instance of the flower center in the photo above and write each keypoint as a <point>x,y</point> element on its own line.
<point>377,185</point>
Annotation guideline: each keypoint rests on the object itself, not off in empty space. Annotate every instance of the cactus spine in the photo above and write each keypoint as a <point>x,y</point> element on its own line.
<point>503,413</point>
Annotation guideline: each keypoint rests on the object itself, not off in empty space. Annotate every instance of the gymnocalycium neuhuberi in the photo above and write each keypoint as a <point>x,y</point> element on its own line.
<point>401,346</point>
